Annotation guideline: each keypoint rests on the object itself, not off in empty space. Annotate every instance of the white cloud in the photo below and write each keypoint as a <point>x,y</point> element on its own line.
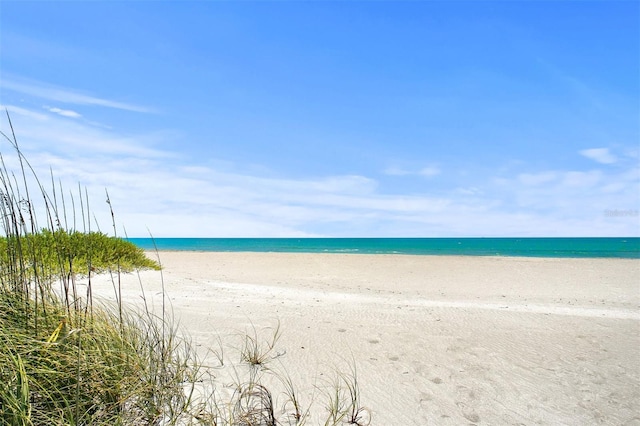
<point>27,113</point>
<point>39,131</point>
<point>174,196</point>
<point>64,95</point>
<point>64,112</point>
<point>601,155</point>
<point>582,179</point>
<point>429,171</point>
<point>471,190</point>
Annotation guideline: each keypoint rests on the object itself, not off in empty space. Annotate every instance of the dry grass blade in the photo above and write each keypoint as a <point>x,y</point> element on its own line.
<point>254,407</point>
<point>292,407</point>
<point>355,414</point>
<point>256,351</point>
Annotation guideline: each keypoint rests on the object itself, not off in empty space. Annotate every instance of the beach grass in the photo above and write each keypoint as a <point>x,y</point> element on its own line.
<point>68,359</point>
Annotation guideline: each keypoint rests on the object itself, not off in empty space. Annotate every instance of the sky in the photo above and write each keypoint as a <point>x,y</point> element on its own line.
<point>332,118</point>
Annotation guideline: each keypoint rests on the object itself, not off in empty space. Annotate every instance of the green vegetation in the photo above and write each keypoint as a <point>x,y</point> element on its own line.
<point>93,252</point>
<point>66,359</point>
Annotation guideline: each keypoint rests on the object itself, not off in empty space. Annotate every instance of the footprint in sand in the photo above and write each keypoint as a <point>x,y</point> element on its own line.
<point>468,412</point>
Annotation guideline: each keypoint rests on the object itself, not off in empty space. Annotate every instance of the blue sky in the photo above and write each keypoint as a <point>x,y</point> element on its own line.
<point>387,118</point>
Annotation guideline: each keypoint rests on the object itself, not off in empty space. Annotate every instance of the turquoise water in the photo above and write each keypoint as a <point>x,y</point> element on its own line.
<point>529,247</point>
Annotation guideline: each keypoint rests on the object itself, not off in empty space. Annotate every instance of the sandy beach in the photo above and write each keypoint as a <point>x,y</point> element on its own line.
<point>435,339</point>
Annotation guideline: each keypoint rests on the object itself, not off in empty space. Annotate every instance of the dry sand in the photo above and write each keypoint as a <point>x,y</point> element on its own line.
<point>436,339</point>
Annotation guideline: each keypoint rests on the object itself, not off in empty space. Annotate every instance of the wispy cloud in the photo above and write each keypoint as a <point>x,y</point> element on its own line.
<point>601,155</point>
<point>427,171</point>
<point>64,112</point>
<point>54,133</point>
<point>174,196</point>
<point>64,95</point>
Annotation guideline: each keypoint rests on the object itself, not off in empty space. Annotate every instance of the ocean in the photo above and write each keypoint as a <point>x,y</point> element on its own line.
<point>528,247</point>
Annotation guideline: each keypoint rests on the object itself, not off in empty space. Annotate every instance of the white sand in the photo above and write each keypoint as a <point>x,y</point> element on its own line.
<point>436,339</point>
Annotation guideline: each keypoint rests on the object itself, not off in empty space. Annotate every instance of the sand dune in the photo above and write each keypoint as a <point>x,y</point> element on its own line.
<point>436,340</point>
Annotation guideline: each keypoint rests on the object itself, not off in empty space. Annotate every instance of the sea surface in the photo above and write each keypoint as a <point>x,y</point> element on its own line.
<point>527,247</point>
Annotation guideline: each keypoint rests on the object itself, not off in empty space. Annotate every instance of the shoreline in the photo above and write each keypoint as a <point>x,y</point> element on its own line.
<point>352,253</point>
<point>436,339</point>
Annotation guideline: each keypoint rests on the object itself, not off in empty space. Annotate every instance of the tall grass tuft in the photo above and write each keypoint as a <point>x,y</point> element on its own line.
<point>64,360</point>
<point>257,351</point>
